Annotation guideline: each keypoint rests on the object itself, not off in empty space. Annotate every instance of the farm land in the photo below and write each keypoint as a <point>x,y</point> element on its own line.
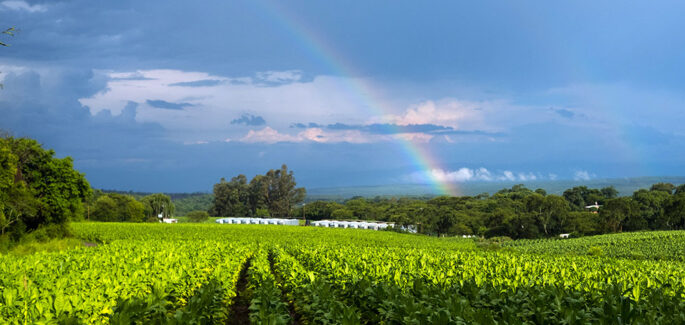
<point>268,274</point>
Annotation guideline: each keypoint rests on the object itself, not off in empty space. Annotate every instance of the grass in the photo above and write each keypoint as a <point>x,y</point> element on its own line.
<point>51,245</point>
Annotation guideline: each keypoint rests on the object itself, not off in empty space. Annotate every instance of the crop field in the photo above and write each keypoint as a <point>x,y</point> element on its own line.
<point>653,245</point>
<point>209,274</point>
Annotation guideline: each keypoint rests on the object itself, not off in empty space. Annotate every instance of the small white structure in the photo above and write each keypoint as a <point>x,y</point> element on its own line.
<point>593,208</point>
<point>258,221</point>
<point>358,225</point>
<point>169,220</point>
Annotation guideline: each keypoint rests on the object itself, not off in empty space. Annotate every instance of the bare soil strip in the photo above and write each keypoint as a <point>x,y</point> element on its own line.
<point>240,306</point>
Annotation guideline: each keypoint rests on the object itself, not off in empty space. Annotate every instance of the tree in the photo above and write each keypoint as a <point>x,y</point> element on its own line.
<point>37,189</point>
<point>680,189</point>
<point>609,192</point>
<point>198,216</point>
<point>674,212</point>
<point>663,187</point>
<point>156,204</point>
<point>117,207</point>
<point>616,212</point>
<point>231,198</point>
<point>554,214</point>
<point>256,194</point>
<point>650,209</point>
<point>280,193</point>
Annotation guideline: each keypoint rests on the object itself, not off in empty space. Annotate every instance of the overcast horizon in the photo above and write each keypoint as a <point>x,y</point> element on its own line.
<point>171,96</point>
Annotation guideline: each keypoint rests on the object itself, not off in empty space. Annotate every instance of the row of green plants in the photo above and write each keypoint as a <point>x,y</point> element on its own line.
<point>191,274</point>
<point>654,245</point>
<point>399,286</point>
<point>124,277</point>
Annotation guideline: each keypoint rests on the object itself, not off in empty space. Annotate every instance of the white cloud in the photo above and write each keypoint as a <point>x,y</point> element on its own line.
<point>582,175</point>
<point>507,175</point>
<point>469,175</point>
<point>23,5</point>
<point>447,113</point>
<point>269,135</point>
<point>323,100</point>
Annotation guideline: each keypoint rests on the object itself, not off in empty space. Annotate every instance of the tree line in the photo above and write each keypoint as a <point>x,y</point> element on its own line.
<point>127,208</point>
<point>519,212</point>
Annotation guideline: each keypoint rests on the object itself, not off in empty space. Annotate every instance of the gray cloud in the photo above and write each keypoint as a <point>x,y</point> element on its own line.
<point>249,120</point>
<point>387,128</point>
<point>158,103</point>
<point>304,126</point>
<point>198,83</point>
<point>564,112</point>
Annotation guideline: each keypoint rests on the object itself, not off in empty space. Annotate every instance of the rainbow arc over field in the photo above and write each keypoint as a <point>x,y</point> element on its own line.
<point>362,91</point>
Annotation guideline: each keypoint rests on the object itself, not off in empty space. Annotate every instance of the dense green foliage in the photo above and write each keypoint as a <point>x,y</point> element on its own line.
<point>275,191</point>
<point>156,204</point>
<point>153,273</point>
<point>36,188</point>
<point>197,216</point>
<point>123,207</point>
<point>655,245</point>
<point>193,202</point>
<point>519,212</point>
<point>117,207</point>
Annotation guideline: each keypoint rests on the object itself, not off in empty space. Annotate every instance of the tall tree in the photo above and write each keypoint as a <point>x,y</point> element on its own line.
<point>156,204</point>
<point>616,212</point>
<point>281,192</point>
<point>231,198</point>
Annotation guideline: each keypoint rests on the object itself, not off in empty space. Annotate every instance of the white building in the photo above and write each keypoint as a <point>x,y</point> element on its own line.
<point>258,221</point>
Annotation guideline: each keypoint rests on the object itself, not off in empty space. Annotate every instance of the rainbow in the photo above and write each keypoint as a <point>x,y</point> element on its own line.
<point>363,92</point>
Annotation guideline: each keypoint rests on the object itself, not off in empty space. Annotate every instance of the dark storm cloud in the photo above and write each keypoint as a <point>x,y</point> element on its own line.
<point>158,103</point>
<point>249,120</point>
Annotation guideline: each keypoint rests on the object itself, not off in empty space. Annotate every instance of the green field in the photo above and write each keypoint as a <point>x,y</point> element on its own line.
<point>206,274</point>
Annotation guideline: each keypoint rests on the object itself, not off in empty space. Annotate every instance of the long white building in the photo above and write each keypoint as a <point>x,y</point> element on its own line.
<point>358,225</point>
<point>258,221</point>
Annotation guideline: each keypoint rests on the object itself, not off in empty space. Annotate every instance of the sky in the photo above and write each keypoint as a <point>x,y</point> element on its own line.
<point>173,95</point>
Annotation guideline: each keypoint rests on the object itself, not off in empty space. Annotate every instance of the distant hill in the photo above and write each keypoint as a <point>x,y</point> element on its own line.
<point>186,202</point>
<point>625,186</point>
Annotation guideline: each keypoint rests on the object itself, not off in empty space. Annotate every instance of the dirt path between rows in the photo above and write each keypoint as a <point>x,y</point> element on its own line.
<point>240,306</point>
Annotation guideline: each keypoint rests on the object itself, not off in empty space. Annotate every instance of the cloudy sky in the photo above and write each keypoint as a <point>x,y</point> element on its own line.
<point>172,95</point>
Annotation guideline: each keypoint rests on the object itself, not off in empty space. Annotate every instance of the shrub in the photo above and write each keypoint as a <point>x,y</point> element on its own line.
<point>198,216</point>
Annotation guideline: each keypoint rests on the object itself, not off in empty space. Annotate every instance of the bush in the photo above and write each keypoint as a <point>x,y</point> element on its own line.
<point>198,216</point>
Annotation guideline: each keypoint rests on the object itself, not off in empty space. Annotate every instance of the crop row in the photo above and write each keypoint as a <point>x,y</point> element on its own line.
<point>654,245</point>
<point>192,274</point>
<point>89,284</point>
